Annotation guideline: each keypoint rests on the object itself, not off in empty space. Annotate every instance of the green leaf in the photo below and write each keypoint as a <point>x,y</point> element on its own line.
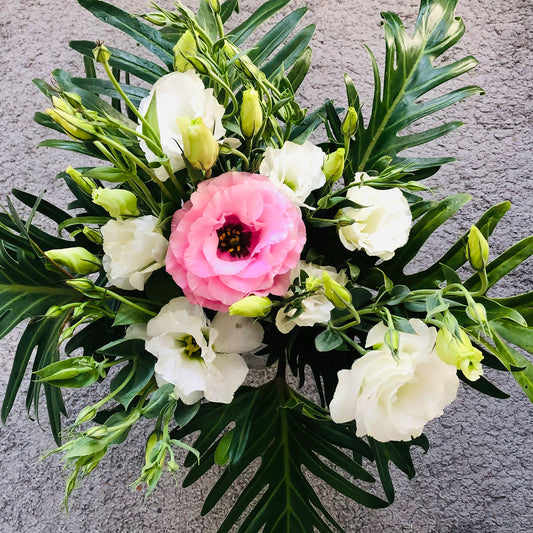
<point>328,340</point>
<point>75,372</point>
<point>71,146</point>
<point>144,370</point>
<point>272,39</point>
<point>127,315</point>
<point>136,66</point>
<point>263,13</point>
<point>522,303</point>
<point>287,440</point>
<point>300,69</point>
<point>409,74</point>
<point>158,400</point>
<point>106,88</point>
<point>484,386</point>
<point>503,264</point>
<point>514,333</point>
<point>290,53</point>
<point>149,37</point>
<point>424,228</point>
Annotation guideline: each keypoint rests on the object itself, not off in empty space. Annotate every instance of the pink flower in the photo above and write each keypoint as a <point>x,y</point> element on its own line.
<point>237,235</point>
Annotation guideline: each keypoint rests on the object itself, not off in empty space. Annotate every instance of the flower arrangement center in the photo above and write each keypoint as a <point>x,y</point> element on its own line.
<point>234,239</point>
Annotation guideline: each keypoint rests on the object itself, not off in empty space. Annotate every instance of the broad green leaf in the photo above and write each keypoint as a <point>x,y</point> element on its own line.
<point>503,264</point>
<point>455,257</point>
<point>424,228</point>
<point>286,439</point>
<point>127,315</point>
<point>227,8</point>
<point>105,87</point>
<point>300,69</point>
<point>136,66</point>
<point>328,340</point>
<point>409,74</point>
<point>207,20</point>
<point>263,13</point>
<point>290,53</point>
<point>272,39</point>
<point>158,400</point>
<point>514,333</point>
<point>149,37</point>
<point>144,370</point>
<point>74,372</point>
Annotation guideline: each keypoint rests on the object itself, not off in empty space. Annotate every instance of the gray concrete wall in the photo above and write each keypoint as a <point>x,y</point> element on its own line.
<point>477,474</point>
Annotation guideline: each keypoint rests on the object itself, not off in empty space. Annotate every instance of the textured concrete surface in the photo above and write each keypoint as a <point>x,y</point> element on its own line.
<point>477,474</point>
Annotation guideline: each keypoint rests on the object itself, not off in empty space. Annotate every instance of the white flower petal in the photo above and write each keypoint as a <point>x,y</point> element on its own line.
<point>225,375</point>
<point>237,334</point>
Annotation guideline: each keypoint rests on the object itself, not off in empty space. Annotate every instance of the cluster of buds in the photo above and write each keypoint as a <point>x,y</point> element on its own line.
<point>67,114</point>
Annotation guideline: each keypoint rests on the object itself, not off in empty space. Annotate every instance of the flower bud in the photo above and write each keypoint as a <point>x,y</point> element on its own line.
<point>85,415</point>
<point>215,6</point>
<point>477,313</point>
<point>251,306</point>
<point>85,184</point>
<point>338,295</point>
<point>200,147</point>
<point>477,249</point>
<point>97,432</point>
<point>83,285</point>
<point>155,18</point>
<point>251,113</point>
<point>75,127</point>
<point>54,311</point>
<point>459,352</point>
<point>334,165</point>
<point>392,340</point>
<point>101,54</point>
<point>313,283</point>
<point>185,47</point>
<point>93,235</point>
<point>349,126</point>
<point>118,203</point>
<point>76,259</point>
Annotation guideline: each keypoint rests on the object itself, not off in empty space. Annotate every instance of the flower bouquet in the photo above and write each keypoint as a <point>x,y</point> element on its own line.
<point>218,239</point>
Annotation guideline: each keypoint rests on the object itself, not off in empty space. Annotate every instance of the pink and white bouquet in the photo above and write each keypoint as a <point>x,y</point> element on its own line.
<point>218,239</point>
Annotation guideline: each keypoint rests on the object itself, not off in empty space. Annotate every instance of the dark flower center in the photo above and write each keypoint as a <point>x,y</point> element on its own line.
<point>234,239</point>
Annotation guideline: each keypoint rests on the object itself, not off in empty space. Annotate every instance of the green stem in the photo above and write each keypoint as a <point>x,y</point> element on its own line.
<point>128,302</point>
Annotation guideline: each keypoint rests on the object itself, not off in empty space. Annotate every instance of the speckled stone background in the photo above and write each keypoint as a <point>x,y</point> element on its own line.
<point>477,476</point>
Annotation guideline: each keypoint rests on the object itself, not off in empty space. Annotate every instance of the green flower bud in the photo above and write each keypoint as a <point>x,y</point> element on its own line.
<point>85,286</point>
<point>54,311</point>
<point>97,432</point>
<point>334,165</point>
<point>101,53</point>
<point>85,184</point>
<point>117,202</point>
<point>338,295</point>
<point>477,249</point>
<point>392,340</point>
<point>185,47</point>
<point>76,259</point>
<point>200,147</point>
<point>460,353</point>
<point>477,313</point>
<point>349,126</point>
<point>215,6</point>
<point>157,19</point>
<point>93,235</point>
<point>251,306</point>
<point>251,113</point>
<point>75,127</point>
<point>85,415</point>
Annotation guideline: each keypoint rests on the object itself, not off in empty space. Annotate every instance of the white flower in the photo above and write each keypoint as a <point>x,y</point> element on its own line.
<point>390,399</point>
<point>199,358</point>
<point>180,94</point>
<point>295,169</point>
<point>133,248</point>
<point>381,226</point>
<point>316,307</point>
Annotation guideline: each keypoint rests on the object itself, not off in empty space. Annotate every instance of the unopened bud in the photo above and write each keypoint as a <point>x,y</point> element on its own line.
<point>215,6</point>
<point>392,340</point>
<point>54,311</point>
<point>85,415</point>
<point>477,249</point>
<point>101,54</point>
<point>251,113</point>
<point>75,127</point>
<point>349,126</point>
<point>84,183</point>
<point>338,295</point>
<point>184,48</point>
<point>117,202</point>
<point>93,235</point>
<point>97,432</point>
<point>251,306</point>
<point>334,165</point>
<point>459,352</point>
<point>157,19</point>
<point>312,283</point>
<point>200,147</point>
<point>477,313</point>
<point>85,286</point>
<point>76,259</point>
